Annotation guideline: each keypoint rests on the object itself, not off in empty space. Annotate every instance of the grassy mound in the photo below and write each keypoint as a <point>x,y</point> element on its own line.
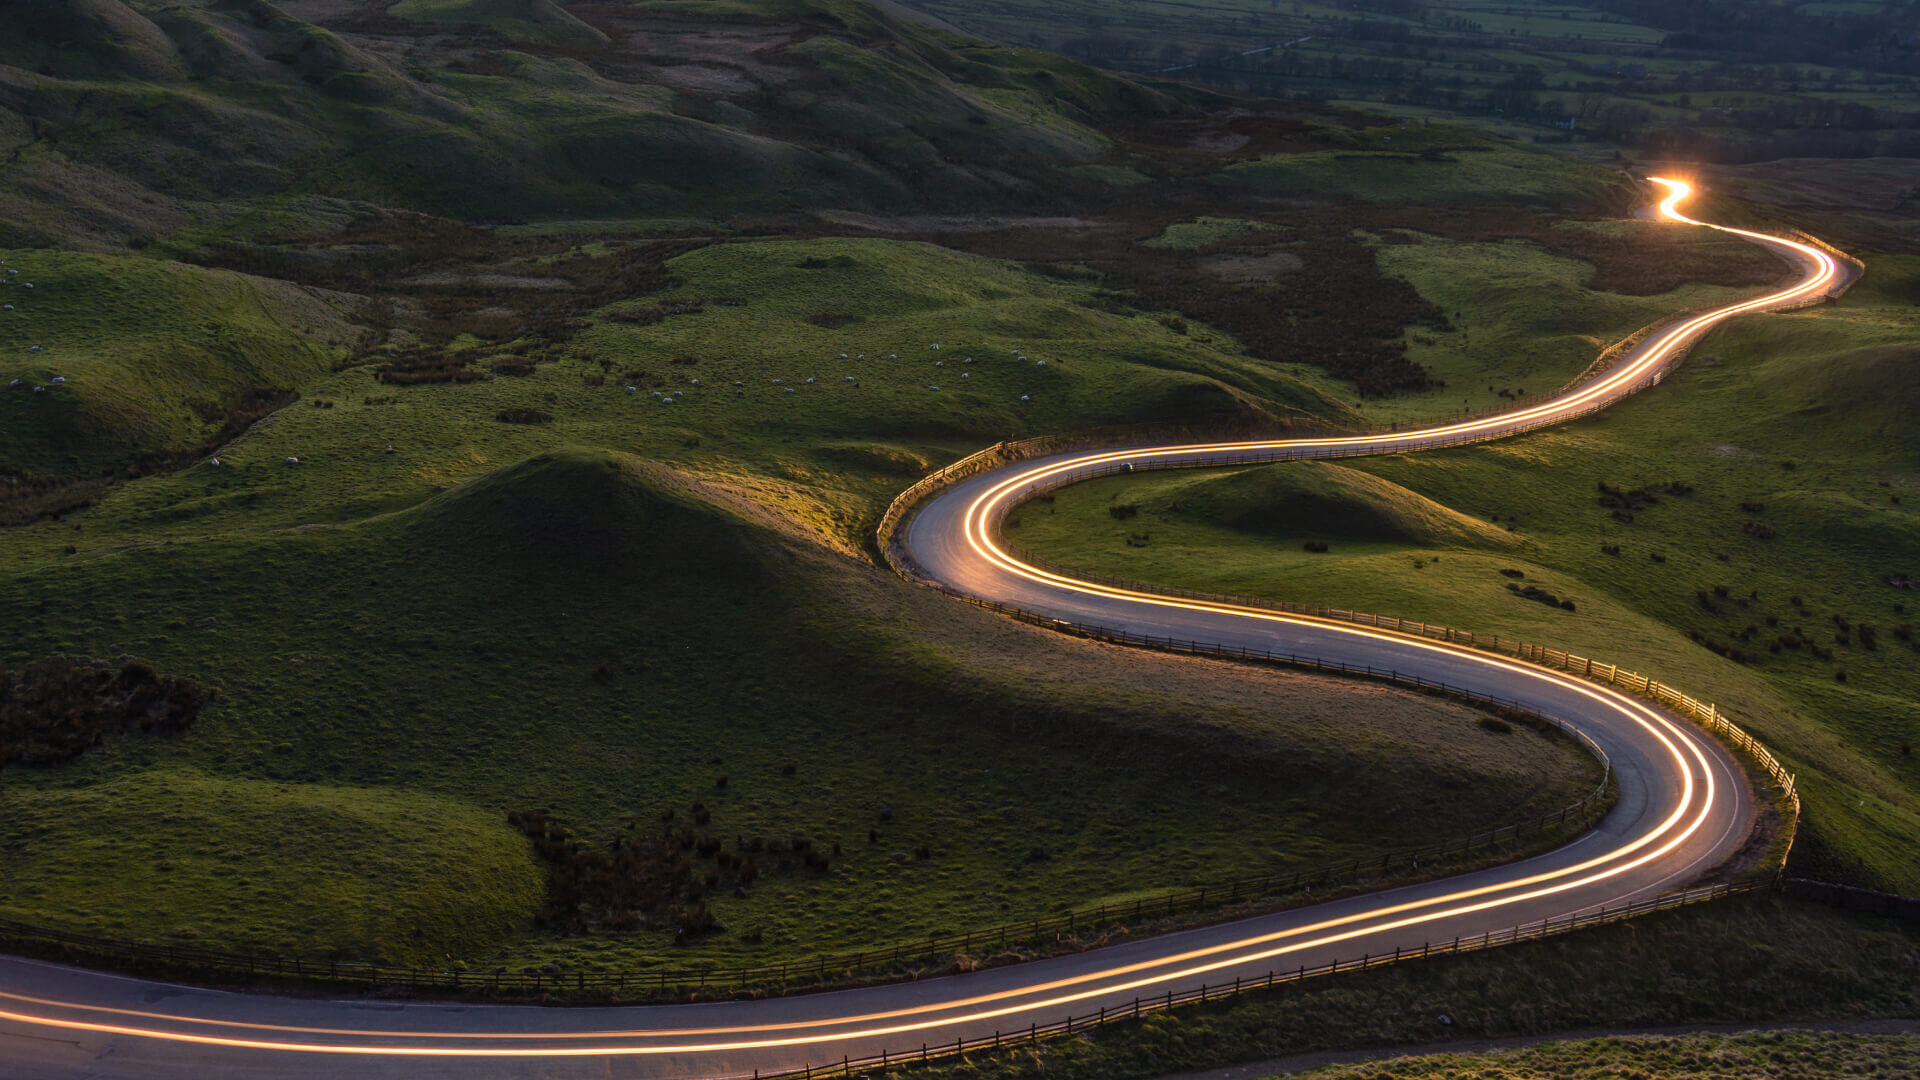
<point>1319,499</point>
<point>230,863</point>
<point>593,635</point>
<point>154,356</point>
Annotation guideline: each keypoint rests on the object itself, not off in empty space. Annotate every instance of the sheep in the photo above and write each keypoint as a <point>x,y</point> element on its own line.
<point>36,348</point>
<point>933,388</point>
<point>809,380</point>
<point>39,389</point>
<point>29,284</point>
<point>667,400</point>
<point>849,378</point>
<point>13,384</point>
<point>966,374</point>
<point>777,382</point>
<point>215,462</point>
<point>1039,363</point>
<point>737,382</point>
<point>935,346</point>
<point>843,356</point>
<point>631,389</point>
<point>939,363</point>
<point>1024,397</point>
<point>9,307</point>
<point>693,382</point>
<point>291,460</point>
<point>893,356</point>
<point>862,356</point>
<point>789,389</point>
<point>391,450</point>
<point>58,379</point>
<point>657,393</point>
<point>968,360</point>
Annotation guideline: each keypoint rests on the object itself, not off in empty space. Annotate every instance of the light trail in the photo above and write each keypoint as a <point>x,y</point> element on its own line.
<point>1678,748</point>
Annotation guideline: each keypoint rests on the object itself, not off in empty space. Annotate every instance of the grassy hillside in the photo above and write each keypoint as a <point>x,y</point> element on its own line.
<point>135,118</point>
<point>1749,960</point>
<point>1813,1055</point>
<point>1738,531</point>
<point>153,357</point>
<point>672,653</point>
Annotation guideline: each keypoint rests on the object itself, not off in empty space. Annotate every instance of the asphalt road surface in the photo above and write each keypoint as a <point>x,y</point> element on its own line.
<point>1684,807</point>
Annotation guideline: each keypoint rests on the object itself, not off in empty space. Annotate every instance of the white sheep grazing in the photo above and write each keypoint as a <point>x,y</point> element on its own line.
<point>789,389</point>
<point>291,460</point>
<point>776,382</point>
<point>936,346</point>
<point>862,356</point>
<point>843,356</point>
<point>809,380</point>
<point>694,382</point>
<point>935,388</point>
<point>1039,363</point>
<point>893,356</point>
<point>36,348</point>
<point>666,401</point>
<point>657,393</point>
<point>630,389</point>
<point>1024,397</point>
<point>391,450</point>
<point>849,378</point>
<point>29,284</point>
<point>939,363</point>
<point>13,384</point>
<point>966,374</point>
<point>39,389</point>
<point>737,382</point>
<point>9,307</point>
<point>58,379</point>
<point>215,462</point>
<point>968,360</point>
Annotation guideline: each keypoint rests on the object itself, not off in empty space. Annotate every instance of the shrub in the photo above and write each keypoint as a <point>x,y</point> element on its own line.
<point>1317,546</point>
<point>522,416</point>
<point>1496,725</point>
<point>1123,511</point>
<point>55,709</point>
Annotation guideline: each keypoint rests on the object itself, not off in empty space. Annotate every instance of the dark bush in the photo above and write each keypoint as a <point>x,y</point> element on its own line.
<point>1496,725</point>
<point>54,709</point>
<point>1316,546</point>
<point>522,416</point>
<point>1123,511</point>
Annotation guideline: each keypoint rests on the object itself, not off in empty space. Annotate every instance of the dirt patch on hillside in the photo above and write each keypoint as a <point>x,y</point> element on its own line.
<point>1253,269</point>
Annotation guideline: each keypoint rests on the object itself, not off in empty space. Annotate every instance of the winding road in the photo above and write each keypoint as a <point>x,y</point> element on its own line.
<point>1684,807</point>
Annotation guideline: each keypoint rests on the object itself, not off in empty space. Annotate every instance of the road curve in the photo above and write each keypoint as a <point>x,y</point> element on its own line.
<point>1684,806</point>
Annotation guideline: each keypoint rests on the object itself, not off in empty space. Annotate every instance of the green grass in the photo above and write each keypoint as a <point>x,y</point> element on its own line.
<point>328,870</point>
<point>1748,960</point>
<point>152,354</point>
<point>1474,173</point>
<point>829,455</point>
<point>1525,320</point>
<point>1808,415</point>
<point>538,21</point>
<point>592,634</point>
<point>1807,1054</point>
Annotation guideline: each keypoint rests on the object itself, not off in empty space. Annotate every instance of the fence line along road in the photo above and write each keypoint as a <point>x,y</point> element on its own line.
<point>1145,1005</point>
